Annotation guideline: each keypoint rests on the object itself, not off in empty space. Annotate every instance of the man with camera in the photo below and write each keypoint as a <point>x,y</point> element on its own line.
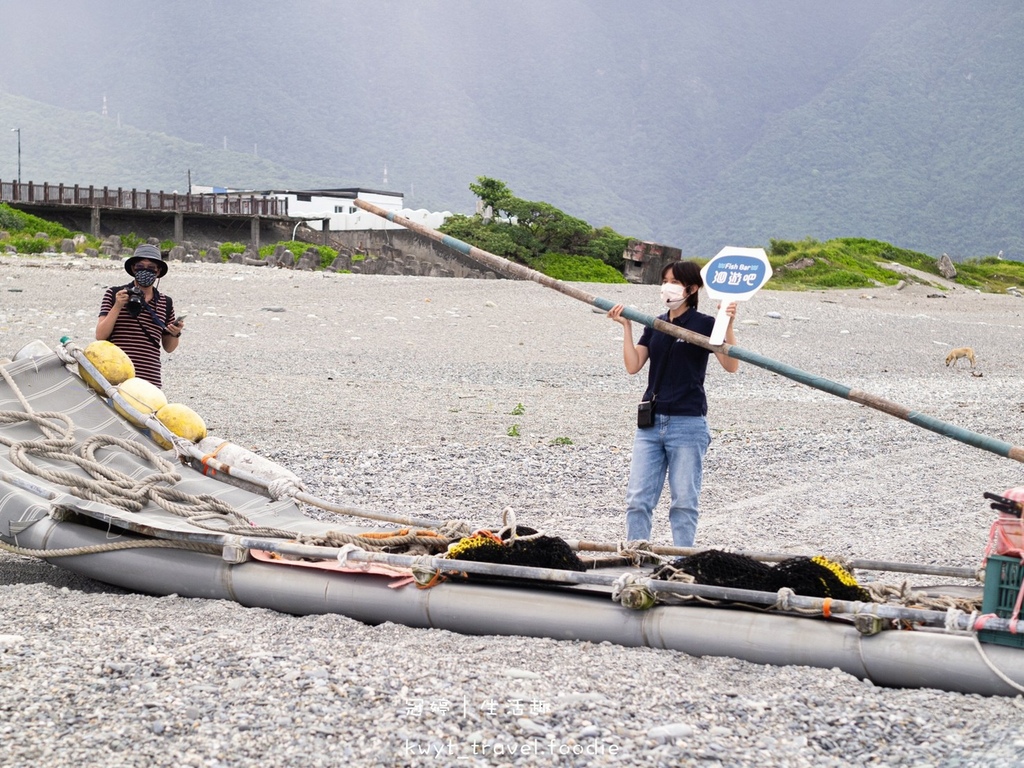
<point>138,318</point>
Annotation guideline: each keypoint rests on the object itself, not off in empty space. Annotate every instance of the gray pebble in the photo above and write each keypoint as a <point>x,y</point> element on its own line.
<point>415,421</point>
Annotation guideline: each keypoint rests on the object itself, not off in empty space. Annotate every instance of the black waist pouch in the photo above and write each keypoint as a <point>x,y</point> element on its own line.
<point>645,414</point>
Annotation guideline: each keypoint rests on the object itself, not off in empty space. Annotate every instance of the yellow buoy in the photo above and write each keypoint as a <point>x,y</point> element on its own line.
<point>111,362</point>
<point>142,396</point>
<point>182,421</point>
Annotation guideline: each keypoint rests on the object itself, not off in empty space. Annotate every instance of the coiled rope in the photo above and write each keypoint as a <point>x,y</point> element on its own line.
<point>109,486</point>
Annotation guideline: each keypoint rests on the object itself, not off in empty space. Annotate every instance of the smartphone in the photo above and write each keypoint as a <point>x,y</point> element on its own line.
<point>179,318</point>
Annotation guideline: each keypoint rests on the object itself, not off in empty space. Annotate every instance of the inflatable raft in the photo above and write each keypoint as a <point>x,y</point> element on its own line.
<point>86,485</point>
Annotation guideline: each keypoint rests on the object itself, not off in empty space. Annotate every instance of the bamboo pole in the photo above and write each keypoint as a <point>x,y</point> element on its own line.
<point>948,571</point>
<point>202,463</point>
<point>513,270</point>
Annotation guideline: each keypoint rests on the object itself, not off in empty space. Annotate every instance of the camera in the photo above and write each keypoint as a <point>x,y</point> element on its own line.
<point>134,300</point>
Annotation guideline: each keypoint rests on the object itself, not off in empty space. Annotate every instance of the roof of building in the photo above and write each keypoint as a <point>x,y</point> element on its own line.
<point>347,193</point>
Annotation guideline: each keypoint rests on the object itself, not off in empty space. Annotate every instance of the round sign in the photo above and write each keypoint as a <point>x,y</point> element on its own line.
<point>735,274</point>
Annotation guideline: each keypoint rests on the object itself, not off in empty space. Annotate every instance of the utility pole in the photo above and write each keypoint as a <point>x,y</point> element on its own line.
<point>18,131</point>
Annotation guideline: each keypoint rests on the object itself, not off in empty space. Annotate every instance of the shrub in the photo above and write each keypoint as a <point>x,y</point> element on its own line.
<point>299,248</point>
<point>30,244</point>
<point>578,269</point>
<point>229,249</point>
<point>131,240</point>
<point>14,220</point>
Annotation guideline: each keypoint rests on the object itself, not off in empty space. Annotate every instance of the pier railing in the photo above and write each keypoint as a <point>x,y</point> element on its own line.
<point>231,204</point>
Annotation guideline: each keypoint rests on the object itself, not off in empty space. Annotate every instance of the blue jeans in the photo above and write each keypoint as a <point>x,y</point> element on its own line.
<point>674,445</point>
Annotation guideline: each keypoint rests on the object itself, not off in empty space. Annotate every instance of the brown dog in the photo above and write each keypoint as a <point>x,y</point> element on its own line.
<point>960,352</point>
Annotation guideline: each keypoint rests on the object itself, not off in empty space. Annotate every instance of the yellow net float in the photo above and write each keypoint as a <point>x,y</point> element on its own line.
<point>181,421</point>
<point>110,361</point>
<point>141,395</point>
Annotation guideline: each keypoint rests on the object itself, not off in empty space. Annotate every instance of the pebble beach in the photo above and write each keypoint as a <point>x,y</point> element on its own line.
<point>456,399</point>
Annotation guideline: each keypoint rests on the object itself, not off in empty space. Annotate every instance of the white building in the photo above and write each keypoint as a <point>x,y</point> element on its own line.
<point>336,207</point>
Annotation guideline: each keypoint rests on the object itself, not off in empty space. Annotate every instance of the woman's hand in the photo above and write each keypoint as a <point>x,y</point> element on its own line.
<point>615,313</point>
<point>730,310</point>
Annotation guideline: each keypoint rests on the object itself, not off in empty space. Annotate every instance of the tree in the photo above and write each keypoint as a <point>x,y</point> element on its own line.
<point>525,230</point>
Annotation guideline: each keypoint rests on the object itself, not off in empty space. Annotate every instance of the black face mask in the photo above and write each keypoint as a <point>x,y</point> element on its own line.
<point>145,277</point>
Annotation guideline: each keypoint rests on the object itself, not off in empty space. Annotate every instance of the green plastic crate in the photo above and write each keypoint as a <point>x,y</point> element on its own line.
<point>1002,583</point>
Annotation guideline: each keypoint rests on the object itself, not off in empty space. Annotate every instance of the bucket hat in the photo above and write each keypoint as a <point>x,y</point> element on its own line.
<point>146,252</point>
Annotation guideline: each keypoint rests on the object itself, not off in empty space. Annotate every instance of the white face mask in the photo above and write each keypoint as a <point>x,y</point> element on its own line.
<point>672,295</point>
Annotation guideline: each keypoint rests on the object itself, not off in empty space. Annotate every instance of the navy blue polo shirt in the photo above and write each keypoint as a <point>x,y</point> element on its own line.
<point>681,391</point>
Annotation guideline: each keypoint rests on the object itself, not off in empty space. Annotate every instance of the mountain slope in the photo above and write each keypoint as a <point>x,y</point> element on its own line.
<point>694,124</point>
<point>911,149</point>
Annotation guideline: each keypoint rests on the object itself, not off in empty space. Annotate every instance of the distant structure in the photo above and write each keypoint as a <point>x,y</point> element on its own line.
<point>643,261</point>
<point>334,207</point>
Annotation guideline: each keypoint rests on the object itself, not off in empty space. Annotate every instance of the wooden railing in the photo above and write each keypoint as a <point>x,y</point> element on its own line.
<point>230,204</point>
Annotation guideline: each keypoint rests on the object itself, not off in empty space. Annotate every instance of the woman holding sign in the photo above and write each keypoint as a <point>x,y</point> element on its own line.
<point>672,431</point>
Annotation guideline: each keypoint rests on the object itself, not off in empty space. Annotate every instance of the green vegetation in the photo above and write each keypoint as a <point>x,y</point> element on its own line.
<point>513,431</point>
<point>807,264</point>
<point>298,249</point>
<point>579,269</point>
<point>131,240</point>
<point>990,274</point>
<point>561,441</point>
<point>850,262</point>
<point>13,221</point>
<point>519,410</point>
<point>227,250</point>
<point>30,244</point>
<point>539,236</point>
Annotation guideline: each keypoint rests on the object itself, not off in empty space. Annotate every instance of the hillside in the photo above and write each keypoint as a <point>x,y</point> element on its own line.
<point>695,125</point>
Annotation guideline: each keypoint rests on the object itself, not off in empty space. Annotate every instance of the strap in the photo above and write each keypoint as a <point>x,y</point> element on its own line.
<point>152,313</point>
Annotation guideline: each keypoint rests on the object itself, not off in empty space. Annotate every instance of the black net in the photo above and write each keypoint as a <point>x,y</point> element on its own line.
<point>539,552</point>
<point>808,576</point>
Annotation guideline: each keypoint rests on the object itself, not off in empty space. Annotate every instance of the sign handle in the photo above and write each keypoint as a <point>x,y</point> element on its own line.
<point>721,323</point>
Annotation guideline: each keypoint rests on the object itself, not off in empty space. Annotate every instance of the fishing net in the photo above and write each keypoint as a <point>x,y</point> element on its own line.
<point>527,548</point>
<point>809,576</point>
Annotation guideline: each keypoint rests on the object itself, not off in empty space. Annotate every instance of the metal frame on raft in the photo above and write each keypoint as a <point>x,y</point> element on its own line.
<point>511,269</point>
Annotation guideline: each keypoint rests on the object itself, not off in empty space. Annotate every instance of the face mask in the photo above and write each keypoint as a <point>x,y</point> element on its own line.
<point>672,295</point>
<point>145,277</point>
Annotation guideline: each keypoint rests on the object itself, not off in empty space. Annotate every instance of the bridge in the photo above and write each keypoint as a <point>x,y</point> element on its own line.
<point>73,203</point>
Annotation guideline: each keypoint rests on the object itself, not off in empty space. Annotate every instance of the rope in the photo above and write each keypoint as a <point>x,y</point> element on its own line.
<point>424,574</point>
<point>109,547</point>
<point>633,592</point>
<point>988,663</point>
<point>15,389</point>
<point>508,525</point>
<point>638,552</point>
<point>782,603</point>
<point>903,594</point>
<point>107,485</point>
<point>425,540</point>
<point>283,488</point>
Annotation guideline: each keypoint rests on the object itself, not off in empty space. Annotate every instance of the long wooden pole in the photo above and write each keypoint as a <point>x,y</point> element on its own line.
<point>513,270</point>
